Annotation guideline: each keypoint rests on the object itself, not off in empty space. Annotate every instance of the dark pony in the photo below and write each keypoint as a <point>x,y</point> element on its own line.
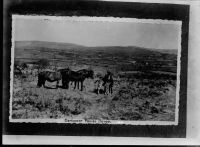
<point>108,79</point>
<point>86,73</point>
<point>65,77</point>
<point>50,76</point>
<point>76,77</point>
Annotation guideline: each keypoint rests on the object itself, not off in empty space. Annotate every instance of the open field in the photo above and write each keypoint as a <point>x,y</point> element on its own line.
<point>144,83</point>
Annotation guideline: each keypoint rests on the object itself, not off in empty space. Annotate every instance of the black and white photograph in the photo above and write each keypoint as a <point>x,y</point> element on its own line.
<point>95,70</point>
<point>100,72</point>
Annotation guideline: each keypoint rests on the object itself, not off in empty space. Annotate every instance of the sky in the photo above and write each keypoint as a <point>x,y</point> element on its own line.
<point>96,33</point>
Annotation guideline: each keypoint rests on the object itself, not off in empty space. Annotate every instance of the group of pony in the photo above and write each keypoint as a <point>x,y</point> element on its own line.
<point>77,77</point>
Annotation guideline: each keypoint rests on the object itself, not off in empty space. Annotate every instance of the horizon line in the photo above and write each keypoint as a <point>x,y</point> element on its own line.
<point>94,46</point>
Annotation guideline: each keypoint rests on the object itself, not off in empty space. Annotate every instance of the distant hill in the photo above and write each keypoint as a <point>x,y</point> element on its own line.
<point>43,44</point>
<point>167,51</point>
<point>34,50</point>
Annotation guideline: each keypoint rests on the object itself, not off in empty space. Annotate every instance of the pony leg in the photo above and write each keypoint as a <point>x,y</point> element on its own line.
<point>81,85</point>
<point>104,89</point>
<point>75,85</point>
<point>63,84</point>
<point>57,84</point>
<point>78,85</point>
<point>67,84</point>
<point>44,84</point>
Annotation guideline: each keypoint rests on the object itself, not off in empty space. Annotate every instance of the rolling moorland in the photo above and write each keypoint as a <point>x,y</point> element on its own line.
<point>144,83</point>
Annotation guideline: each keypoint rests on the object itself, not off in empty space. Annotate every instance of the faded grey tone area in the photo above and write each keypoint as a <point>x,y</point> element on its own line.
<point>91,33</point>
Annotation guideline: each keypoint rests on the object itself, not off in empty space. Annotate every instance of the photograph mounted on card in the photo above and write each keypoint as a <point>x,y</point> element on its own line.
<point>113,71</point>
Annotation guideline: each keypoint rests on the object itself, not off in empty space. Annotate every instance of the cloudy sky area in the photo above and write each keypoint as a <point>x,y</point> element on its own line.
<point>91,33</point>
